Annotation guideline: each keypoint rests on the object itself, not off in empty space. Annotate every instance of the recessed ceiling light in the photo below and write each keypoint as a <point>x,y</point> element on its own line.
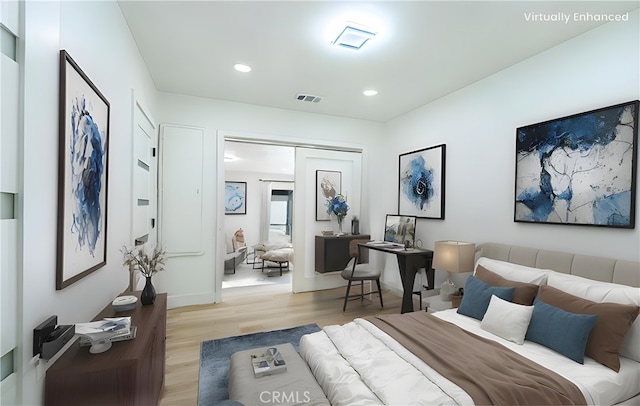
<point>242,68</point>
<point>354,36</point>
<point>370,92</point>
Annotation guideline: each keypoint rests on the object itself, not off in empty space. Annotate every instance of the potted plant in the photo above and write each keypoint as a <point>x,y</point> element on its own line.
<point>137,259</point>
<point>338,206</point>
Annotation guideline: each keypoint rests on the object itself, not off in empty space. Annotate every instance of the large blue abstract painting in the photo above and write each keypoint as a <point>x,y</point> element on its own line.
<point>82,196</point>
<point>421,183</point>
<point>579,169</point>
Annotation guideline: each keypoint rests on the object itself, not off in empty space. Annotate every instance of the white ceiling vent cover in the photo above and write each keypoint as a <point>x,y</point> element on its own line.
<point>309,98</point>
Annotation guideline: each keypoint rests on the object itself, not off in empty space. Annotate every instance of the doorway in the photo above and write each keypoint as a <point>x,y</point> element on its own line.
<point>281,212</point>
<point>267,170</point>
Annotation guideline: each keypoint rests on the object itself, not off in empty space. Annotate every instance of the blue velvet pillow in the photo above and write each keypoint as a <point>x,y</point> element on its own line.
<point>562,331</point>
<point>477,296</point>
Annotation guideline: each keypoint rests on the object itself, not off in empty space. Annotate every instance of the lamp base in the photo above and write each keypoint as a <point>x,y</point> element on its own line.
<point>446,289</point>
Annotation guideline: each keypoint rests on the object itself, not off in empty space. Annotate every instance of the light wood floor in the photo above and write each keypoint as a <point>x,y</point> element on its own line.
<point>249,310</point>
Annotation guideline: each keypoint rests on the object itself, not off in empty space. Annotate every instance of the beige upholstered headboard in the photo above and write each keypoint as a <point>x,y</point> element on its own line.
<point>586,266</point>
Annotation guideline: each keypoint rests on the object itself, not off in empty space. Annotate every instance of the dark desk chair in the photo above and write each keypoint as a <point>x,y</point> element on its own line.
<point>359,272</point>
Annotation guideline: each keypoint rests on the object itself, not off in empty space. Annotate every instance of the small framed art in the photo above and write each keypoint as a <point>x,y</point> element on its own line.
<point>328,185</point>
<point>235,197</point>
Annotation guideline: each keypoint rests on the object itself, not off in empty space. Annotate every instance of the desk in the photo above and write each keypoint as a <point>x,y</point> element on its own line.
<point>409,261</point>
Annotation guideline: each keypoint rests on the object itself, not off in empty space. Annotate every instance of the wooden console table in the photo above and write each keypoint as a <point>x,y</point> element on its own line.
<point>332,252</point>
<point>129,373</point>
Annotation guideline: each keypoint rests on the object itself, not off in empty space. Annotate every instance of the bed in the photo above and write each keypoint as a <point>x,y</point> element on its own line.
<point>534,327</point>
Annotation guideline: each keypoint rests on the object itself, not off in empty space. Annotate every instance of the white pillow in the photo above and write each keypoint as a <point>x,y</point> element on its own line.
<point>514,272</point>
<point>604,292</point>
<point>507,320</point>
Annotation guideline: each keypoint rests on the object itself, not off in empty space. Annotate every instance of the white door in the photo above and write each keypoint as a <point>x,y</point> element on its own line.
<point>308,161</point>
<point>145,182</point>
<point>145,177</point>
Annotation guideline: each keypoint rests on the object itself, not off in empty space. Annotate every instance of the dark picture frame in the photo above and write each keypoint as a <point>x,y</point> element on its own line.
<point>235,197</point>
<point>328,185</point>
<point>421,183</point>
<point>579,169</point>
<point>83,175</point>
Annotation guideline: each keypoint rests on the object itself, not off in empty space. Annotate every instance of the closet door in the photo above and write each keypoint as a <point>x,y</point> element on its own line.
<point>181,189</point>
<point>305,225</point>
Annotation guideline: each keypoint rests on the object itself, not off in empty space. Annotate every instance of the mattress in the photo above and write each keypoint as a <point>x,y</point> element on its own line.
<point>357,363</point>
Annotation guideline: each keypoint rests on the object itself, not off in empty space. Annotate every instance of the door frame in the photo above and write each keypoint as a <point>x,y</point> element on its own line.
<point>270,139</point>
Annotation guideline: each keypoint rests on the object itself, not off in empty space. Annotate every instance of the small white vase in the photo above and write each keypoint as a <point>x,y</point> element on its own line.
<point>339,222</point>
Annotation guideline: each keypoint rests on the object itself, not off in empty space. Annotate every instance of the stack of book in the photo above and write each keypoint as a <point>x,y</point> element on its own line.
<point>104,331</point>
<point>269,362</point>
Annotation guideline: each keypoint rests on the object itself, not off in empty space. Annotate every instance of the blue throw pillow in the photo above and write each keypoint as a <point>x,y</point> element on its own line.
<point>477,296</point>
<point>562,331</point>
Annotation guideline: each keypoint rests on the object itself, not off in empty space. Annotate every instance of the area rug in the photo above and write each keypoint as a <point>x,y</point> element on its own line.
<point>215,356</point>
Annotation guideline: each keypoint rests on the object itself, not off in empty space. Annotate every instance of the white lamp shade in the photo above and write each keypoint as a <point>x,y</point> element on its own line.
<point>454,256</point>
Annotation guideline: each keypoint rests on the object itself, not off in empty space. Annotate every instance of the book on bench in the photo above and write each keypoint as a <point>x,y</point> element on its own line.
<point>268,363</point>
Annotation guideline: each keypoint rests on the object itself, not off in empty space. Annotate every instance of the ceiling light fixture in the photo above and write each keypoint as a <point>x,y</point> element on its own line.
<point>370,92</point>
<point>354,36</point>
<point>242,68</point>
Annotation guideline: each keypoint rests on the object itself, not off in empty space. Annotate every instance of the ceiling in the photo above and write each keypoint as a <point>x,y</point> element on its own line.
<point>268,160</point>
<point>423,50</point>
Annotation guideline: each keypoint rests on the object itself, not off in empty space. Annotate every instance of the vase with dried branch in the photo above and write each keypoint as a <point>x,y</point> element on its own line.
<point>137,259</point>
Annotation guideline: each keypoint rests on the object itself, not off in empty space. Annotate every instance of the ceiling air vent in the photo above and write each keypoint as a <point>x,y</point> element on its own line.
<point>308,98</point>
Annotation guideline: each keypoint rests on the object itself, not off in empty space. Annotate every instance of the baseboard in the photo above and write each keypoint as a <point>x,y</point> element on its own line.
<point>174,301</point>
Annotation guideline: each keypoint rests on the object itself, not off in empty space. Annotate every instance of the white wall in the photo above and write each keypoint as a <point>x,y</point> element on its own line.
<point>97,37</point>
<point>478,124</point>
<point>221,118</point>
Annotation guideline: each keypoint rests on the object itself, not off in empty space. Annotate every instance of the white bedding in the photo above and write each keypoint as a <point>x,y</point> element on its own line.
<point>357,364</point>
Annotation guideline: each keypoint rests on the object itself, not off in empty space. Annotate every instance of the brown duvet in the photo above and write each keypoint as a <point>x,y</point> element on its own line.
<point>487,371</point>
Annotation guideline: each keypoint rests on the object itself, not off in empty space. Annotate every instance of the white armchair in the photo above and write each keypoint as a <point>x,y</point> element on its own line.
<point>239,253</point>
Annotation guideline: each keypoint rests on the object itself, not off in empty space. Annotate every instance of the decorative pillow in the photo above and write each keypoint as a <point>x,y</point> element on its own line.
<point>604,292</point>
<point>477,295</point>
<point>562,331</point>
<point>515,272</point>
<point>607,335</point>
<point>507,320</point>
<point>524,293</point>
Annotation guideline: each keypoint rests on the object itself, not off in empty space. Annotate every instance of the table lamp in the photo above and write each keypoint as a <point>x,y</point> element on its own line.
<point>452,256</point>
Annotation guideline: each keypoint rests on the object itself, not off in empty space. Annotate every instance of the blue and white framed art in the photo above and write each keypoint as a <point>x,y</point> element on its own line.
<point>82,175</point>
<point>421,183</point>
<point>580,169</point>
<point>235,197</point>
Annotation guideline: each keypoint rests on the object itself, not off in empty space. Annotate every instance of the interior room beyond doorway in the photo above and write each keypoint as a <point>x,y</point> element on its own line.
<point>266,172</point>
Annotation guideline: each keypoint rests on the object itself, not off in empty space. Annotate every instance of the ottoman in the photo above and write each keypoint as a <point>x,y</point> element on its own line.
<point>295,386</point>
<point>280,256</point>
